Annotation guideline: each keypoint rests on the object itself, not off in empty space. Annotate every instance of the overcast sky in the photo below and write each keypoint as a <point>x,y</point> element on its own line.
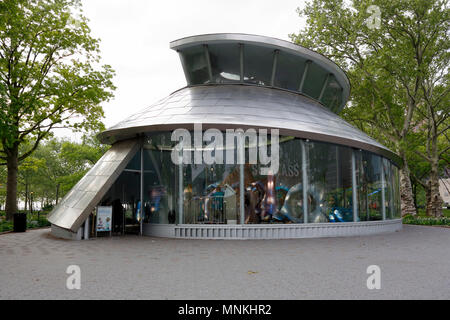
<point>135,36</point>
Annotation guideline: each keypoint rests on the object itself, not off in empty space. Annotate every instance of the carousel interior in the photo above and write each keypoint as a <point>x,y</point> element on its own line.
<point>210,193</point>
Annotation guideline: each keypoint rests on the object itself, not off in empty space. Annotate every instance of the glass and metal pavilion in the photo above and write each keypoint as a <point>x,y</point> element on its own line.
<point>332,180</point>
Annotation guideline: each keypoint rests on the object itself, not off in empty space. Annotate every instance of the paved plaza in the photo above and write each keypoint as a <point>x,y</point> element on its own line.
<point>414,263</point>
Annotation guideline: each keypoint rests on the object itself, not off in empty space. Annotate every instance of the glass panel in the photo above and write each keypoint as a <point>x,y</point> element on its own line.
<point>330,183</point>
<point>258,62</point>
<point>289,71</point>
<point>196,65</point>
<point>211,192</point>
<point>225,62</point>
<point>160,181</point>
<point>135,162</point>
<point>333,94</point>
<point>276,198</point>
<point>123,196</point>
<point>314,81</point>
<point>369,168</point>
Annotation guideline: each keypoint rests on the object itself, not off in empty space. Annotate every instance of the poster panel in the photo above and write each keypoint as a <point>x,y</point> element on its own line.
<point>104,218</point>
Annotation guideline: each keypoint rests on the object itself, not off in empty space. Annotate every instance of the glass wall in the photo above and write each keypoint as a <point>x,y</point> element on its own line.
<point>369,180</point>
<point>287,76</point>
<point>329,183</point>
<point>196,65</point>
<point>124,197</point>
<point>211,188</point>
<point>278,197</point>
<point>160,181</point>
<point>315,178</point>
<point>211,193</point>
<point>225,63</point>
<point>333,94</point>
<point>258,65</point>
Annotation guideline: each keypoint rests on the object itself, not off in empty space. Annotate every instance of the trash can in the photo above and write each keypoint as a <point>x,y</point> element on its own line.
<point>20,222</point>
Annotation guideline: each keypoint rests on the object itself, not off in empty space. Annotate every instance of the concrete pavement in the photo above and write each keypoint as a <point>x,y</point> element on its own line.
<point>414,263</point>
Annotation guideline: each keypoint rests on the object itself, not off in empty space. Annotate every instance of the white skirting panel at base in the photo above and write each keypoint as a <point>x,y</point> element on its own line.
<point>271,231</point>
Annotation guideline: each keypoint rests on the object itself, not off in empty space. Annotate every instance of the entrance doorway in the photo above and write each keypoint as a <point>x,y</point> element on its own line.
<point>123,197</point>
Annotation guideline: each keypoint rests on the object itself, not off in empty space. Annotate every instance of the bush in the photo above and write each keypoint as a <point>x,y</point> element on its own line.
<point>48,207</point>
<point>426,221</point>
<point>32,222</point>
<point>6,226</point>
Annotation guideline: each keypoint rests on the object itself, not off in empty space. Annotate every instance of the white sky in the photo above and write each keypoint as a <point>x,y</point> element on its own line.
<point>135,36</point>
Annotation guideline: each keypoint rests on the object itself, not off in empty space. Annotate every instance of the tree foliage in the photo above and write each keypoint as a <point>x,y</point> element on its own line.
<point>50,77</point>
<point>54,168</point>
<point>397,63</point>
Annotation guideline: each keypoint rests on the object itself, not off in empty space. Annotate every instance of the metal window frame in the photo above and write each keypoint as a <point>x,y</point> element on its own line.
<point>354,187</point>
<point>241,61</point>
<point>324,86</point>
<point>383,190</point>
<point>305,171</point>
<point>274,67</point>
<point>185,69</point>
<point>141,192</point>
<point>208,62</point>
<point>304,75</point>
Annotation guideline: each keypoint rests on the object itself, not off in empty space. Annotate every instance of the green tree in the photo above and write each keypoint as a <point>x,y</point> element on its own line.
<point>27,176</point>
<point>428,151</point>
<point>76,159</point>
<point>396,54</point>
<point>50,77</point>
<point>47,176</point>
<point>56,166</point>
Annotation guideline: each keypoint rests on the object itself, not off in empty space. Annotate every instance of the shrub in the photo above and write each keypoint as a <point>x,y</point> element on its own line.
<point>426,221</point>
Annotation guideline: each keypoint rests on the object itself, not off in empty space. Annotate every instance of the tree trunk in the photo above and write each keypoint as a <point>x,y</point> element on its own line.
<point>26,196</point>
<point>11,184</point>
<point>427,196</point>
<point>434,202</point>
<point>57,193</point>
<point>414,192</point>
<point>407,201</point>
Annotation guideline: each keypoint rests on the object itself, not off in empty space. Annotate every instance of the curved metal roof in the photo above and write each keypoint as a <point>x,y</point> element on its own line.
<point>301,56</point>
<point>237,106</point>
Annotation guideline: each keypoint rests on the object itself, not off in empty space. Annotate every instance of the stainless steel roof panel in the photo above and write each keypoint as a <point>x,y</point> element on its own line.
<point>246,106</point>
